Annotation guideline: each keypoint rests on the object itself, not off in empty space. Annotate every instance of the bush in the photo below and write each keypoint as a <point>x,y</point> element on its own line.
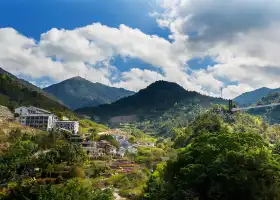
<point>219,166</point>
<point>77,172</point>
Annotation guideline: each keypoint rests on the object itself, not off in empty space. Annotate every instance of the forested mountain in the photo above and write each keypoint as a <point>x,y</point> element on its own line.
<point>78,92</point>
<point>270,114</point>
<point>28,85</point>
<point>15,92</point>
<point>159,102</point>
<point>253,97</point>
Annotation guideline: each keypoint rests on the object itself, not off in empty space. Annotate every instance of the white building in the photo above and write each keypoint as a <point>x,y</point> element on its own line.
<point>36,117</point>
<point>40,121</point>
<point>72,126</point>
<point>30,110</point>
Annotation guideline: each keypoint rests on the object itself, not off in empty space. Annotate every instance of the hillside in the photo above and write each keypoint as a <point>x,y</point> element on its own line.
<point>28,85</point>
<point>253,97</point>
<point>270,114</point>
<point>78,92</point>
<point>15,92</point>
<point>161,100</point>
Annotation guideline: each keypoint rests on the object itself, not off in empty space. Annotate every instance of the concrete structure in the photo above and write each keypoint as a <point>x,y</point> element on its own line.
<point>36,117</point>
<point>92,150</point>
<point>72,126</point>
<point>30,110</point>
<point>40,121</point>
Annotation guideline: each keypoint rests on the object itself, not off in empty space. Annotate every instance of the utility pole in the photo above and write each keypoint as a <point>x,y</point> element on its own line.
<point>221,88</point>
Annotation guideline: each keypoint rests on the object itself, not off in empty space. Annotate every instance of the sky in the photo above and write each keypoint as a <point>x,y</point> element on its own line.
<point>203,45</point>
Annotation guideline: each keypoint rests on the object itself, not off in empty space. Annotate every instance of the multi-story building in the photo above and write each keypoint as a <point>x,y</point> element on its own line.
<point>36,117</point>
<point>72,126</point>
<point>40,121</point>
<point>30,110</point>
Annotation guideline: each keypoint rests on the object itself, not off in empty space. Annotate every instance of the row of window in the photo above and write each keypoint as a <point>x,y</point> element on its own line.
<point>45,118</point>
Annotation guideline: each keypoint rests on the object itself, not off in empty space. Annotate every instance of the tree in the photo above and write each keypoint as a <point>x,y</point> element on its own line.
<point>72,189</point>
<point>77,172</point>
<point>15,160</point>
<point>216,166</point>
<point>132,140</point>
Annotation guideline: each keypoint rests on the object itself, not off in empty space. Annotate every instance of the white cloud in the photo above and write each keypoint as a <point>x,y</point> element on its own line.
<point>61,54</point>
<point>241,35</point>
<point>137,79</point>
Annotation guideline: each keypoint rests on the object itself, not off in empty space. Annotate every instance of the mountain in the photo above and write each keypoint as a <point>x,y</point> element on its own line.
<point>78,92</point>
<point>16,92</point>
<point>253,97</point>
<point>28,85</point>
<point>161,102</point>
<point>270,114</point>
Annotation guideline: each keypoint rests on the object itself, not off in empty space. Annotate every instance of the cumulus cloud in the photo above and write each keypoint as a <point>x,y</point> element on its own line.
<point>240,35</point>
<point>61,54</point>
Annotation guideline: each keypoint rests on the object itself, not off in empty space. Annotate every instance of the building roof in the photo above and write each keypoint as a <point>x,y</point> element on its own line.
<point>40,109</point>
<point>67,121</point>
<point>38,115</point>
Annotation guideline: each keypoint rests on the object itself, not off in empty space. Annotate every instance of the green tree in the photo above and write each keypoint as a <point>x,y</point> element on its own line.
<point>216,166</point>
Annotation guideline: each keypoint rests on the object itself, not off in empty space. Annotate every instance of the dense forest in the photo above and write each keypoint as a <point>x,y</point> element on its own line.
<point>13,94</point>
<point>160,103</point>
<point>270,114</point>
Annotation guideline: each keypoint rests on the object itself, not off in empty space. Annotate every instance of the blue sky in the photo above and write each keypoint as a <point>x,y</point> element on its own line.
<point>34,17</point>
<point>201,45</point>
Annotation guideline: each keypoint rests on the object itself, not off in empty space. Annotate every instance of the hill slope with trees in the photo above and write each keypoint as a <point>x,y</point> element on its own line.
<point>156,104</point>
<point>78,92</point>
<point>253,97</point>
<point>16,92</point>
<point>270,114</point>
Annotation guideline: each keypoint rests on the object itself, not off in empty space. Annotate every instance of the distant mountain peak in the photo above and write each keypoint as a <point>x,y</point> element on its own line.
<point>252,97</point>
<point>78,92</point>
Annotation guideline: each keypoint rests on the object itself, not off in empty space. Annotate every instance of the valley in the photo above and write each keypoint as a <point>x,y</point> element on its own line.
<point>142,146</point>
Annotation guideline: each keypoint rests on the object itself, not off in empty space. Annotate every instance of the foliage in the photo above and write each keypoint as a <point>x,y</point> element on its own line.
<point>88,126</point>
<point>110,139</point>
<point>252,97</point>
<point>270,114</point>
<point>220,165</point>
<point>72,189</point>
<point>77,172</point>
<point>157,102</point>
<point>16,158</point>
<point>149,156</point>
<point>130,184</point>
<point>77,92</point>
<point>19,94</point>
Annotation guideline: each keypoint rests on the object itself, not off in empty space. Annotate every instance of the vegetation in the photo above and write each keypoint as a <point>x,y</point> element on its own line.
<point>13,94</point>
<point>270,114</point>
<point>72,189</point>
<point>149,104</point>
<point>88,126</point>
<point>78,93</point>
<point>220,160</point>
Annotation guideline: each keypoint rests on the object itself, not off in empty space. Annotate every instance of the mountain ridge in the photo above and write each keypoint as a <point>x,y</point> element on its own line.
<point>77,92</point>
<point>18,92</point>
<point>152,102</point>
<point>252,97</point>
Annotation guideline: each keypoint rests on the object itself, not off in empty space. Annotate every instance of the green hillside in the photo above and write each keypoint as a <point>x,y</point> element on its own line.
<point>249,98</point>
<point>15,92</point>
<point>159,105</point>
<point>270,114</point>
<point>78,92</point>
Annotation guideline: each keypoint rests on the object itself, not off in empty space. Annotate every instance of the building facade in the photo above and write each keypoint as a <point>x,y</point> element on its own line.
<point>30,110</point>
<point>40,121</point>
<point>72,126</point>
